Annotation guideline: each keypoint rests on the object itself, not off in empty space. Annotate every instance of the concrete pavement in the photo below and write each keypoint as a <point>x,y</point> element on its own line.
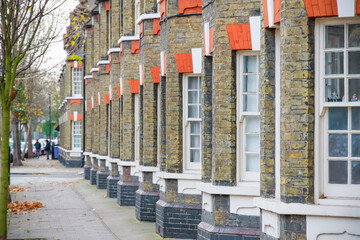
<point>73,209</point>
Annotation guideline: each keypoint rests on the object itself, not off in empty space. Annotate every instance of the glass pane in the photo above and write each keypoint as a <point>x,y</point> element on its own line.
<point>334,90</point>
<point>193,96</point>
<point>334,36</point>
<point>355,172</point>
<point>354,62</point>
<point>250,64</point>
<point>355,145</point>
<point>355,118</point>
<point>193,112</point>
<point>334,63</point>
<point>250,83</point>
<point>193,83</point>
<point>250,103</point>
<point>252,163</point>
<point>354,89</point>
<point>194,155</point>
<point>195,141</point>
<point>354,35</point>
<point>338,145</point>
<point>195,127</point>
<point>338,118</point>
<point>338,172</point>
<point>252,124</point>
<point>252,143</point>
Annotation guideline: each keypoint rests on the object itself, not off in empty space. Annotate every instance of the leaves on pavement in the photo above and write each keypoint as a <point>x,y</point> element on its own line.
<point>23,207</point>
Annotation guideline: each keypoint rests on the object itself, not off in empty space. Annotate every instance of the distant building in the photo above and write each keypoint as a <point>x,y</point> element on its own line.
<point>221,119</point>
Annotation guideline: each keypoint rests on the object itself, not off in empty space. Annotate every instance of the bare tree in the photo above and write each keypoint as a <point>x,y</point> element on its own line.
<point>21,44</point>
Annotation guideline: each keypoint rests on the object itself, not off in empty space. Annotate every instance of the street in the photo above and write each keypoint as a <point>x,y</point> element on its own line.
<point>73,209</point>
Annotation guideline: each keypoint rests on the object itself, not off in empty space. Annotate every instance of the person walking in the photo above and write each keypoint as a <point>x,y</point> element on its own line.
<point>37,149</point>
<point>47,149</point>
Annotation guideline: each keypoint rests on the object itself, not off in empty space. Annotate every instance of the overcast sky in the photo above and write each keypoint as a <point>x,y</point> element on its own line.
<point>56,55</point>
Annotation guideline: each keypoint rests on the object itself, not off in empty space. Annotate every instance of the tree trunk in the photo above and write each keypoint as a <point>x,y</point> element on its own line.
<point>16,142</point>
<point>29,141</point>
<point>4,188</point>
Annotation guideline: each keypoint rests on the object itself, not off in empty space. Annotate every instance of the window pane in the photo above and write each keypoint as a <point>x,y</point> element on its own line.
<point>354,35</point>
<point>194,155</point>
<point>338,145</point>
<point>355,172</point>
<point>250,83</point>
<point>355,145</point>
<point>193,83</point>
<point>334,90</point>
<point>193,97</point>
<point>195,127</point>
<point>250,103</point>
<point>193,112</point>
<point>334,36</point>
<point>354,60</point>
<point>252,124</point>
<point>250,64</point>
<point>252,163</point>
<point>354,89</point>
<point>338,118</point>
<point>195,141</point>
<point>338,172</point>
<point>252,143</point>
<point>334,63</point>
<point>355,118</point>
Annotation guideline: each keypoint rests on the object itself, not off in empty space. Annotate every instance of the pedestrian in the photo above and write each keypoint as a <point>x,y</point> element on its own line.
<point>37,149</point>
<point>47,149</point>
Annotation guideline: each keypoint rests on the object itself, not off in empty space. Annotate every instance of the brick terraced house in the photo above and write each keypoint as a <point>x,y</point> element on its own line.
<point>221,119</point>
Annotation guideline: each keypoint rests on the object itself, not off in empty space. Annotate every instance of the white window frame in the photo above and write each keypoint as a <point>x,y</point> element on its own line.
<point>158,106</point>
<point>190,166</point>
<point>75,125</point>
<point>76,79</point>
<point>137,126</point>
<point>243,175</point>
<point>109,129</point>
<point>322,187</point>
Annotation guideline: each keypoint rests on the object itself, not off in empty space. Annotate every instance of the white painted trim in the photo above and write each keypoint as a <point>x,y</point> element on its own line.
<point>88,77</point>
<point>270,7</point>
<point>255,33</point>
<point>101,157</point>
<point>147,16</point>
<point>75,64</point>
<point>110,92</point>
<point>279,207</point>
<point>121,86</point>
<point>103,62</point>
<point>270,224</point>
<point>126,163</point>
<point>186,186</point>
<point>86,153</point>
<point>196,60</point>
<point>243,205</point>
<point>245,189</point>
<point>99,98</point>
<point>70,151</point>
<point>159,1</point>
<point>92,102</point>
<point>148,169</point>
<point>207,38</point>
<point>277,114</point>
<point>162,67</point>
<point>207,202</point>
<point>140,75</point>
<point>113,50</point>
<point>93,155</point>
<point>166,175</point>
<point>128,38</point>
<point>94,70</point>
<point>73,98</point>
<point>75,116</point>
<point>346,8</point>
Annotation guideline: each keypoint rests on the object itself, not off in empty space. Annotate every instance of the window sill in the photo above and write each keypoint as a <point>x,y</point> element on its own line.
<point>188,176</point>
<point>245,189</point>
<point>275,206</point>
